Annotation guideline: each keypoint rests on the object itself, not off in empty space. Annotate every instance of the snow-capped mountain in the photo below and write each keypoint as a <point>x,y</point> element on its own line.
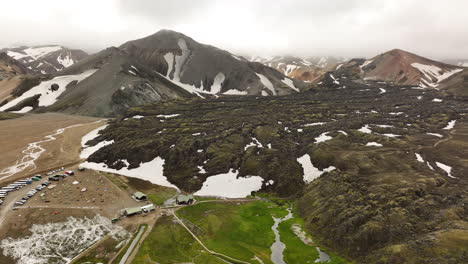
<point>308,70</point>
<point>402,67</point>
<point>45,59</point>
<point>201,68</point>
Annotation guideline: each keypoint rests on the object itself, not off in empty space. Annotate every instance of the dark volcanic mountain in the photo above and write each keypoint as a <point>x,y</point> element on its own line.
<point>116,83</point>
<point>45,59</point>
<point>202,68</point>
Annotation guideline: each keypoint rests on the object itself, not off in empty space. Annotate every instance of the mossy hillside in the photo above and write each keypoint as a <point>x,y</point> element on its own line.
<point>213,133</point>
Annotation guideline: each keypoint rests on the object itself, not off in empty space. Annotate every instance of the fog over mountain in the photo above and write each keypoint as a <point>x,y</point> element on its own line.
<point>349,28</point>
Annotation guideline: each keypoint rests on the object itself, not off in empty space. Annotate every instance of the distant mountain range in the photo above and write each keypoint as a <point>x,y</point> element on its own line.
<point>45,59</point>
<point>306,69</point>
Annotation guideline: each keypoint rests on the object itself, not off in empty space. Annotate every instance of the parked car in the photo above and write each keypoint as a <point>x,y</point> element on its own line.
<point>69,173</point>
<point>54,178</point>
<point>46,183</point>
<point>19,203</point>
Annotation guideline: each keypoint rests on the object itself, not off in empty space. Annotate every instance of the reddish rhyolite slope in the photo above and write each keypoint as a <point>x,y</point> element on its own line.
<point>406,68</point>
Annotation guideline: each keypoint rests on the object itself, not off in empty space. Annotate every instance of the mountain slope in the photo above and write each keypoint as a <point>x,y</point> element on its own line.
<point>200,68</point>
<point>14,78</point>
<point>45,59</point>
<point>406,68</point>
<point>118,82</point>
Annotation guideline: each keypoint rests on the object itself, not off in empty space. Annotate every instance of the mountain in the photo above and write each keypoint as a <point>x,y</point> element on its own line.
<point>166,65</point>
<point>45,59</point>
<point>102,84</point>
<point>406,68</point>
<point>201,68</point>
<point>308,70</point>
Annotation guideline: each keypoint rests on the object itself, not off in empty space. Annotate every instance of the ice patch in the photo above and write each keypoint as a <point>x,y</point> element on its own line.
<point>229,185</point>
<point>310,171</point>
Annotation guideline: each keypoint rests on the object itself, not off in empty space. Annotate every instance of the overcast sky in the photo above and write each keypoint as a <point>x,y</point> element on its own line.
<point>350,28</point>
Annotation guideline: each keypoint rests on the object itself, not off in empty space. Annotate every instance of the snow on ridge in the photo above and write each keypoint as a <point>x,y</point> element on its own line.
<point>49,97</point>
<point>432,71</point>
<point>229,185</point>
<point>367,62</point>
<point>66,61</point>
<point>267,83</point>
<point>310,171</point>
<point>41,51</point>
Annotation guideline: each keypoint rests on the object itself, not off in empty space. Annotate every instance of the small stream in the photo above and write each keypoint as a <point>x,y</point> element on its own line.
<point>278,247</point>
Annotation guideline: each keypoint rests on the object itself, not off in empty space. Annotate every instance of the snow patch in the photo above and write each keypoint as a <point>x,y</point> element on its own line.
<point>229,185</point>
<point>49,97</point>
<point>266,83</point>
<point>373,144</point>
<point>322,137</point>
<point>310,171</point>
<point>450,125</point>
<point>445,168</point>
<point>365,129</point>
<point>217,83</point>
